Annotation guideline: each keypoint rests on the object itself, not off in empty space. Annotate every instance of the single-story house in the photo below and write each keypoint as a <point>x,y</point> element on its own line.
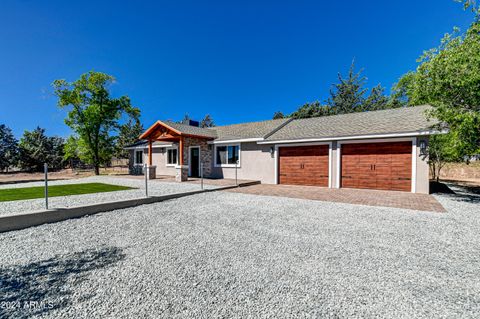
<point>377,150</point>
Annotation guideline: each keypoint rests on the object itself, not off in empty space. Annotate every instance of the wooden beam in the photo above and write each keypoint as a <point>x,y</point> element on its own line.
<point>181,150</point>
<point>150,151</point>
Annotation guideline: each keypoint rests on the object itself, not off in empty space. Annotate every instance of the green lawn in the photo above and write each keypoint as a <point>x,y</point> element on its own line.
<point>11,194</point>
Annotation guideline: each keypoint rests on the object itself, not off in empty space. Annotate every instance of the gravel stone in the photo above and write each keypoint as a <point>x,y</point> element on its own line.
<point>235,255</point>
<point>155,188</point>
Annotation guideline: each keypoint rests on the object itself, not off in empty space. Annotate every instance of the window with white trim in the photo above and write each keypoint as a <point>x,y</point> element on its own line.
<point>172,156</point>
<point>138,160</point>
<point>227,155</point>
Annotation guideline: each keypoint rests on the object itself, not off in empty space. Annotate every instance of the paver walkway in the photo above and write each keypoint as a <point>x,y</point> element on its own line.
<point>368,197</point>
<point>195,180</point>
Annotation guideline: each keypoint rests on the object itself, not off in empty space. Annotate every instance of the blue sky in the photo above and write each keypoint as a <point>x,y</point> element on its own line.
<point>237,60</point>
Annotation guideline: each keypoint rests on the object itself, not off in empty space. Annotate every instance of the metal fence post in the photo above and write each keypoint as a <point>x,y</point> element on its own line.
<point>146,179</point>
<point>201,175</point>
<point>45,169</point>
<point>236,174</point>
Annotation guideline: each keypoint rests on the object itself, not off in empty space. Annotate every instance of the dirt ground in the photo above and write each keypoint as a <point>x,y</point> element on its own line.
<point>461,172</point>
<point>20,177</point>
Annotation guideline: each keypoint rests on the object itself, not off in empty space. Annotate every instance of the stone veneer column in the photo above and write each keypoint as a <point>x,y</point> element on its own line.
<point>152,172</point>
<point>181,174</point>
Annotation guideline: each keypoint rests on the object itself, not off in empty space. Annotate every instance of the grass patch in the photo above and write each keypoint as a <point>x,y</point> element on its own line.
<point>11,194</point>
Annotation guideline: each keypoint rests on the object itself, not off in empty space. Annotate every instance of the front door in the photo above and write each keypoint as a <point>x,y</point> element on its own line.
<point>195,162</point>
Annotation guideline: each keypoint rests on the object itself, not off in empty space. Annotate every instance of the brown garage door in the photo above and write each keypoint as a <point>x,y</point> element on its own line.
<point>377,165</point>
<point>304,165</point>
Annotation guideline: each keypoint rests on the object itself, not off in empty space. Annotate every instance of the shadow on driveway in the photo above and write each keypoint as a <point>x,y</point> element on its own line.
<point>458,191</point>
<point>39,287</point>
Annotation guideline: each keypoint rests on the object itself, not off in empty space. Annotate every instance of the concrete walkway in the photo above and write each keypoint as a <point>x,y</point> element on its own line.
<point>367,197</point>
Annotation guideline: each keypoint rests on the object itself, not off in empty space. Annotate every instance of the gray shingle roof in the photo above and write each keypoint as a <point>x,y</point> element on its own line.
<point>248,130</point>
<point>401,120</point>
<point>193,130</point>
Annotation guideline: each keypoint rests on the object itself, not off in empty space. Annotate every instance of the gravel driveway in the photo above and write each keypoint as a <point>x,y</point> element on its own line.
<point>237,255</point>
<point>155,188</point>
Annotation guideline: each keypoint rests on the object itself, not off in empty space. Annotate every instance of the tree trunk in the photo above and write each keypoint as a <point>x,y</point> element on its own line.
<point>433,170</point>
<point>97,169</point>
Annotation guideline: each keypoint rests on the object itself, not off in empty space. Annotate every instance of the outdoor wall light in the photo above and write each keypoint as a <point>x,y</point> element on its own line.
<point>272,151</point>
<point>423,147</point>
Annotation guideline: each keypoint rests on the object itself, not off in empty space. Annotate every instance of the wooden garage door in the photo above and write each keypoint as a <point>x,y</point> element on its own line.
<point>377,165</point>
<point>304,165</point>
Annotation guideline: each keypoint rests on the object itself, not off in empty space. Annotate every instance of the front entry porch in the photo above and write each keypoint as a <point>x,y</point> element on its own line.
<point>194,152</point>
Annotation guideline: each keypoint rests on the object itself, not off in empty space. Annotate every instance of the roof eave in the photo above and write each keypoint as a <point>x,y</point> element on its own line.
<point>357,137</point>
<point>145,135</point>
<point>237,140</point>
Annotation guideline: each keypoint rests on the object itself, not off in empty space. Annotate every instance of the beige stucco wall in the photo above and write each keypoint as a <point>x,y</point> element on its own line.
<point>159,159</point>
<point>422,178</point>
<point>256,163</point>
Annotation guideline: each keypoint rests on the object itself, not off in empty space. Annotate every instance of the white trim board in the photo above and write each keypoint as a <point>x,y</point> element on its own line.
<point>414,165</point>
<point>358,137</point>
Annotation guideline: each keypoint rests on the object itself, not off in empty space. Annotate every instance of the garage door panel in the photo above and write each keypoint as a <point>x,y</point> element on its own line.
<point>377,165</point>
<point>384,184</point>
<point>367,183</point>
<point>401,186</point>
<point>350,183</point>
<point>304,165</point>
<point>401,175</point>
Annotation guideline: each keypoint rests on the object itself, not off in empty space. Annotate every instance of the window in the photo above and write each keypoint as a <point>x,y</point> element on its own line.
<point>227,155</point>
<point>172,158</point>
<point>138,158</point>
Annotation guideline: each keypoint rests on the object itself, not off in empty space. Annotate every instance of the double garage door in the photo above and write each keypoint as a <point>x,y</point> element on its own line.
<point>385,166</point>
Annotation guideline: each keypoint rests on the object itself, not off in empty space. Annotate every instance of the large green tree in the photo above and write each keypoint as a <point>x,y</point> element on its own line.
<point>348,95</point>
<point>129,134</point>
<point>94,115</point>
<point>71,150</point>
<point>278,115</point>
<point>207,121</point>
<point>470,4</point>
<point>35,149</point>
<point>440,153</point>
<point>314,109</point>
<point>8,148</point>
<point>448,78</point>
<point>377,100</point>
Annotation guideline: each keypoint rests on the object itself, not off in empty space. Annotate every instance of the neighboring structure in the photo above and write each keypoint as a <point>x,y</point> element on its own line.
<point>378,150</point>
